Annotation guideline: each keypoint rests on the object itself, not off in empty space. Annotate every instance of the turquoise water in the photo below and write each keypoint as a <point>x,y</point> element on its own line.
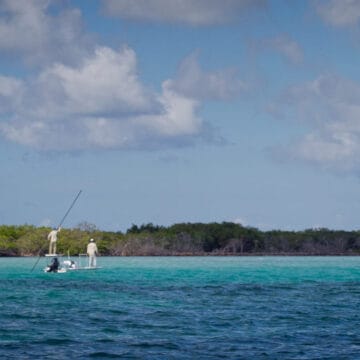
<point>183,308</point>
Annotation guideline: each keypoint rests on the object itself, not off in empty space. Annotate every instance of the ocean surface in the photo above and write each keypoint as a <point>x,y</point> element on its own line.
<point>182,308</point>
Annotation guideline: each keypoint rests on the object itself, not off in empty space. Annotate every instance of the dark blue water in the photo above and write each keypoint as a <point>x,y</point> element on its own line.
<point>183,308</point>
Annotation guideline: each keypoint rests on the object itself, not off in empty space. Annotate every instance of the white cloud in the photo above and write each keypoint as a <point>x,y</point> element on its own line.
<point>327,148</point>
<point>178,117</point>
<point>9,93</point>
<point>289,48</point>
<point>9,86</point>
<point>106,82</point>
<point>190,12</point>
<point>176,121</point>
<point>282,44</point>
<point>28,28</point>
<point>339,12</point>
<point>330,106</point>
<point>22,24</point>
<point>100,103</point>
<point>85,96</point>
<point>192,81</point>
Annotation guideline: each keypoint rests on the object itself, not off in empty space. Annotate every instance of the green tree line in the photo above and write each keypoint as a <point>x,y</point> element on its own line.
<point>225,238</point>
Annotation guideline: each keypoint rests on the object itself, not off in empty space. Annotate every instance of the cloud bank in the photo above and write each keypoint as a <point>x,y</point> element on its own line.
<point>102,103</point>
<point>330,107</point>
<point>339,13</point>
<point>32,29</point>
<point>86,96</point>
<point>189,12</point>
<point>192,81</point>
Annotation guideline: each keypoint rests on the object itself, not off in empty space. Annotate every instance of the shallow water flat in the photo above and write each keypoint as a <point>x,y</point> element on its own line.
<point>183,308</point>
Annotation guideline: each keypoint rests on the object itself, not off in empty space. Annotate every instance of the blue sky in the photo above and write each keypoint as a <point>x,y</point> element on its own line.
<point>170,111</point>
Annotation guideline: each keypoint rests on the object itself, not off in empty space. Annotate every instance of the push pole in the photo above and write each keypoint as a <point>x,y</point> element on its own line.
<point>61,222</point>
<point>71,206</point>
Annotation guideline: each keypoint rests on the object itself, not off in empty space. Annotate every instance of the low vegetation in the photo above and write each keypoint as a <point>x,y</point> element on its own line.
<point>181,239</point>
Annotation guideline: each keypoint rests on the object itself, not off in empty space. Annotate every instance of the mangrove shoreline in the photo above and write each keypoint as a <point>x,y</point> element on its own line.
<point>184,239</point>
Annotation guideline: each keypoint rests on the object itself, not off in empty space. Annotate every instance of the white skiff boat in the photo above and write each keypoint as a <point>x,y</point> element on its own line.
<point>69,264</point>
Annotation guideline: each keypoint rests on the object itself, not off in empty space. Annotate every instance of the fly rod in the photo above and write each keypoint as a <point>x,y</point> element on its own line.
<point>61,222</point>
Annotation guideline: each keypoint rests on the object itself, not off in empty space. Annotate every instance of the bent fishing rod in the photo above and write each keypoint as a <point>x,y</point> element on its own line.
<point>61,222</point>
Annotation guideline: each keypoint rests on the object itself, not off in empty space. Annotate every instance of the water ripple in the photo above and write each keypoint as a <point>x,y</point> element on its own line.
<point>166,310</point>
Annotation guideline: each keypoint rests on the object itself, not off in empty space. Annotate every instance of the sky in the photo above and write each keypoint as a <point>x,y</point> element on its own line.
<point>171,111</point>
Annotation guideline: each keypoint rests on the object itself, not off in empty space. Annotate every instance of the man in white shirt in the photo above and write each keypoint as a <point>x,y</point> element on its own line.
<point>52,237</point>
<point>92,251</point>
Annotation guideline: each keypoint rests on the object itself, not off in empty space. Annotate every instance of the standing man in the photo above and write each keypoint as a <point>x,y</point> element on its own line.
<point>92,251</point>
<point>52,237</point>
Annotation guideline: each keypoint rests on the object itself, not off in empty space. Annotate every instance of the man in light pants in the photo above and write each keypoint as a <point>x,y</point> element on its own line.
<point>52,237</point>
<point>92,251</point>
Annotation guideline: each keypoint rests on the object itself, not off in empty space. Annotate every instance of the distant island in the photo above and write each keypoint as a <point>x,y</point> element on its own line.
<point>183,239</point>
